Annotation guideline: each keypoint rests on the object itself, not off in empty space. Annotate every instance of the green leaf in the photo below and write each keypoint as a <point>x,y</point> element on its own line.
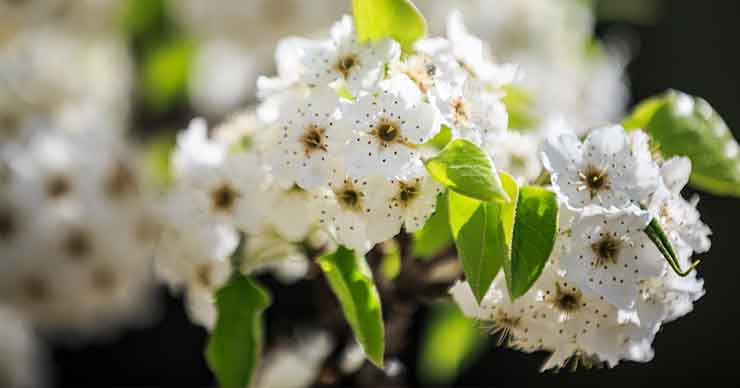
<point>684,125</point>
<point>519,102</point>
<point>397,19</point>
<point>643,113</point>
<point>463,167</point>
<point>482,233</point>
<point>535,230</point>
<point>235,344</point>
<point>390,263</point>
<point>158,156</point>
<point>451,342</point>
<point>441,139</point>
<point>435,236</point>
<point>165,73</point>
<point>351,281</point>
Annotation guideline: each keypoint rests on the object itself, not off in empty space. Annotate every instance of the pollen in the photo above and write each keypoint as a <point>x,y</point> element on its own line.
<point>346,64</point>
<point>407,192</point>
<point>606,250</point>
<point>314,139</point>
<point>387,131</point>
<point>460,110</point>
<point>121,181</point>
<point>77,244</point>
<point>567,300</point>
<point>58,186</point>
<point>594,180</point>
<point>223,197</point>
<point>349,197</point>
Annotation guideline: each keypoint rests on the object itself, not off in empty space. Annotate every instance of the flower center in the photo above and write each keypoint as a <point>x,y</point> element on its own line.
<point>36,289</point>
<point>567,300</point>
<point>460,110</point>
<point>204,275</point>
<point>77,244</point>
<point>314,139</point>
<point>224,197</point>
<point>349,198</point>
<point>57,187</point>
<point>595,180</point>
<point>387,131</point>
<point>407,193</point>
<point>421,74</point>
<point>346,63</point>
<point>121,181</point>
<point>607,250</point>
<point>103,280</point>
<point>7,225</point>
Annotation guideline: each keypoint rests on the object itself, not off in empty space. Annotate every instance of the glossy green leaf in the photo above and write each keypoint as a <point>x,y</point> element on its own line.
<point>352,283</point>
<point>465,168</point>
<point>397,19</point>
<point>535,230</point>
<point>450,343</point>
<point>235,344</point>
<point>435,236</point>
<point>482,233</point>
<point>684,125</point>
<point>441,139</point>
<point>643,113</point>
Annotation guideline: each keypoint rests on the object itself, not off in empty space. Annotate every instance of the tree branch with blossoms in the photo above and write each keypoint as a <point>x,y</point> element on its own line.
<point>377,147</point>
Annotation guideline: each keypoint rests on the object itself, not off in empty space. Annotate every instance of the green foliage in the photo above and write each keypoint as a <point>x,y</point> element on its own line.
<point>441,139</point>
<point>165,73</point>
<point>158,156</point>
<point>390,263</point>
<point>684,125</point>
<point>349,278</point>
<point>518,102</point>
<point>397,19</point>
<point>235,344</point>
<point>535,230</point>
<point>450,343</point>
<point>482,233</point>
<point>463,167</point>
<point>435,236</point>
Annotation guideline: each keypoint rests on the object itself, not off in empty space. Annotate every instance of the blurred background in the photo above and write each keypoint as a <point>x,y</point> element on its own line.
<point>146,67</point>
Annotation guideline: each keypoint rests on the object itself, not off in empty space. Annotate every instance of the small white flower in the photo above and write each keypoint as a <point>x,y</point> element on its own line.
<point>605,170</point>
<point>346,209</point>
<point>471,110</point>
<point>515,153</point>
<point>609,254</point>
<point>305,140</point>
<point>286,204</point>
<point>387,128</point>
<point>408,200</point>
<point>359,65</point>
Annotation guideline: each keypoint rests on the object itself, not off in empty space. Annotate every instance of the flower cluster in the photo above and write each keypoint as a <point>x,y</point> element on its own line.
<point>606,290</point>
<point>335,147</point>
<point>76,230</point>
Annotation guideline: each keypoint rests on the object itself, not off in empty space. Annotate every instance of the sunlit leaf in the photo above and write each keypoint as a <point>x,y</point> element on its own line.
<point>684,125</point>
<point>535,230</point>
<point>435,236</point>
<point>463,167</point>
<point>482,233</point>
<point>450,343</point>
<point>235,344</point>
<point>352,283</point>
<point>397,19</point>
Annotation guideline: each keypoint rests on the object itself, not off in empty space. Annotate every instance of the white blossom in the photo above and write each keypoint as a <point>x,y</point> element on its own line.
<point>604,170</point>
